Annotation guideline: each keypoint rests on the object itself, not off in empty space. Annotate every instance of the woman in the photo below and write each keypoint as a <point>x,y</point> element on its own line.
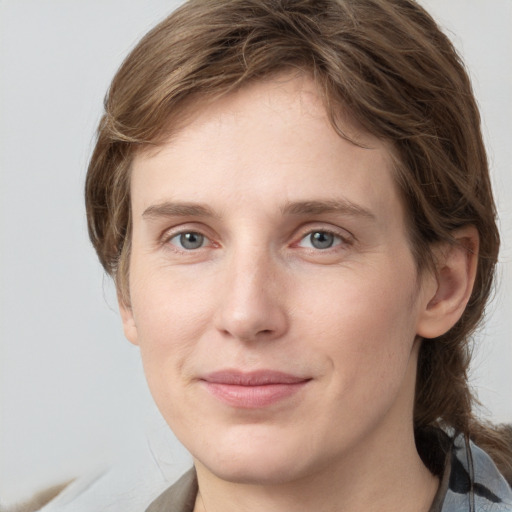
<point>293,199</point>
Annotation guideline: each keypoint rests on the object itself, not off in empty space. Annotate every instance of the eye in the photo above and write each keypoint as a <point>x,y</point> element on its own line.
<point>320,240</point>
<point>189,240</point>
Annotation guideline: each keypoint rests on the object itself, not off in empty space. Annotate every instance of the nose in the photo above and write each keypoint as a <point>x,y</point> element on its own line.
<point>251,302</point>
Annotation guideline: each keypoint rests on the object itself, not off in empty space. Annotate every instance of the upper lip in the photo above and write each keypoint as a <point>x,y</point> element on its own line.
<point>253,378</point>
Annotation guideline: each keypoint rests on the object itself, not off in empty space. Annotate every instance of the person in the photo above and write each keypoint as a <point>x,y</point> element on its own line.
<point>293,199</point>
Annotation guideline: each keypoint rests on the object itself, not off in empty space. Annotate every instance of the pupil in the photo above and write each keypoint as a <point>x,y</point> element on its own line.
<point>191,240</point>
<point>322,240</point>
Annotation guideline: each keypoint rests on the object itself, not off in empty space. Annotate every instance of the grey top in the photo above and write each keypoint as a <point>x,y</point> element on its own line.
<point>470,482</point>
<point>180,497</point>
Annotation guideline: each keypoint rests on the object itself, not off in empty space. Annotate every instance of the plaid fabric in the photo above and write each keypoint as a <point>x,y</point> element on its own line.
<point>471,482</point>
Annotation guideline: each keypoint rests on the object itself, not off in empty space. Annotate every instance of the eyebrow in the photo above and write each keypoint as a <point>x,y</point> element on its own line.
<point>342,206</point>
<point>170,209</point>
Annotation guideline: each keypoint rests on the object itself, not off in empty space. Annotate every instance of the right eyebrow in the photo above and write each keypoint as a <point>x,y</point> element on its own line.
<point>342,206</point>
<point>171,209</point>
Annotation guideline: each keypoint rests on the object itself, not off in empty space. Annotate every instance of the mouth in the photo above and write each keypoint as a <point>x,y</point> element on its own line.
<point>252,390</point>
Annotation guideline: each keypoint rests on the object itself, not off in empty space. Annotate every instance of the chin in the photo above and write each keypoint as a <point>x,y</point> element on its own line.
<point>256,459</point>
<point>257,470</point>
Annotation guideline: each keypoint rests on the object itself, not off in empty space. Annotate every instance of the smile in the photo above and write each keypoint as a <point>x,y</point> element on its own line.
<point>252,390</point>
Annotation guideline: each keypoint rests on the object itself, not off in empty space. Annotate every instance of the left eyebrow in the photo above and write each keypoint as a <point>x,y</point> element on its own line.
<point>171,209</point>
<point>342,206</point>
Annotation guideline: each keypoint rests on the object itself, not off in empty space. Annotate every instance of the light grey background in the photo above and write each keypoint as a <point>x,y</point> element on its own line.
<point>72,391</point>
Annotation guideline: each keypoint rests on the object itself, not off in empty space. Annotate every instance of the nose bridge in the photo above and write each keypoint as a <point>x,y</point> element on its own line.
<point>251,305</point>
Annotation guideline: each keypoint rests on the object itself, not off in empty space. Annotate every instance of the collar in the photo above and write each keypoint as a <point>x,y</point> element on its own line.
<point>180,497</point>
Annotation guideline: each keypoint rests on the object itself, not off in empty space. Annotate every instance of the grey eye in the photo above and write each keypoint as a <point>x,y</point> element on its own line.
<point>322,239</point>
<point>189,240</point>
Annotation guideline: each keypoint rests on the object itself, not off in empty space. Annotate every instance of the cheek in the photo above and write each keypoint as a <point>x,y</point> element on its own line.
<point>366,325</point>
<point>167,304</point>
<point>371,303</point>
<point>170,315</point>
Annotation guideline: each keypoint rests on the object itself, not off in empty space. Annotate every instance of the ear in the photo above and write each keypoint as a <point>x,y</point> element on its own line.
<point>129,326</point>
<point>456,266</point>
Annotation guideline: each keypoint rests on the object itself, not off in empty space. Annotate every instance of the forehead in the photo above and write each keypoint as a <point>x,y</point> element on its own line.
<point>270,138</point>
<point>286,88</point>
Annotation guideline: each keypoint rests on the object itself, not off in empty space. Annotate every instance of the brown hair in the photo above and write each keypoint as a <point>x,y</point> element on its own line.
<point>385,62</point>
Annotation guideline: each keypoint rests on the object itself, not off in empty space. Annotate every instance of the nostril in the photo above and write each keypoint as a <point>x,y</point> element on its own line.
<point>265,333</point>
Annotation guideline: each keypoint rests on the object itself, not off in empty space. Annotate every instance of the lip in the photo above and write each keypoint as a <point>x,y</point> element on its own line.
<point>252,390</point>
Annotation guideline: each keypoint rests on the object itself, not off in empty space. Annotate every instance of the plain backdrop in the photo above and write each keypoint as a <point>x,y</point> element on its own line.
<point>72,392</point>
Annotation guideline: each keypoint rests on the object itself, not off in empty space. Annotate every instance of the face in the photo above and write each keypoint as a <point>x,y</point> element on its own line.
<point>274,296</point>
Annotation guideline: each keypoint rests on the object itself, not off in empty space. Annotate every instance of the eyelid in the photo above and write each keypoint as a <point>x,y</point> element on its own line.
<point>306,242</point>
<point>177,236</point>
<point>346,236</point>
<point>190,227</point>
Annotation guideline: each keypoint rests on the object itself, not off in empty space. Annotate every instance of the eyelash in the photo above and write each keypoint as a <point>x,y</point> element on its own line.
<point>338,240</point>
<point>166,240</point>
<point>184,234</point>
<point>342,240</point>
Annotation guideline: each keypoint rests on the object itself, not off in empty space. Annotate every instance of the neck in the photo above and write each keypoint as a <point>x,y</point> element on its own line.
<point>387,475</point>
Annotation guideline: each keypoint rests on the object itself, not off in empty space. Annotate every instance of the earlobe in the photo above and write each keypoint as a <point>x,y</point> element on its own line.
<point>456,272</point>
<point>129,326</point>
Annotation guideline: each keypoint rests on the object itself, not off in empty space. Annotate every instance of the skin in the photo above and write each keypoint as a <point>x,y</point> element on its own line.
<point>250,178</point>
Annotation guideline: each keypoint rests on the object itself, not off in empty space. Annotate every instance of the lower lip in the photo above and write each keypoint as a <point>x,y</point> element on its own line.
<point>253,397</point>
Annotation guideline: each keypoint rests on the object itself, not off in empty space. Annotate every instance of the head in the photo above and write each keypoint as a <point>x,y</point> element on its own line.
<point>383,64</point>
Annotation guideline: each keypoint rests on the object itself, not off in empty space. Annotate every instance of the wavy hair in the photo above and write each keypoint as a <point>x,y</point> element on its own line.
<point>387,64</point>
